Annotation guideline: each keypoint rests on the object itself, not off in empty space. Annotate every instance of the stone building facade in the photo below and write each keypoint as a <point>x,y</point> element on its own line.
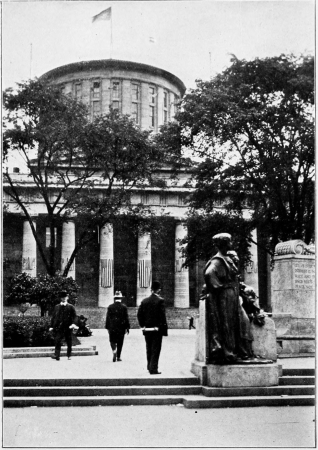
<point>118,260</point>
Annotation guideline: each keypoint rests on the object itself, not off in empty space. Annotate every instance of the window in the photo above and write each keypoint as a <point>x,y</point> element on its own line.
<point>96,90</point>
<point>115,95</point>
<point>163,199</point>
<point>135,112</point>
<point>181,199</point>
<point>78,91</point>
<point>165,106</point>
<point>135,102</point>
<point>152,105</point>
<point>96,109</point>
<point>115,90</point>
<point>96,97</point>
<point>48,237</point>
<point>152,116</point>
<point>144,199</point>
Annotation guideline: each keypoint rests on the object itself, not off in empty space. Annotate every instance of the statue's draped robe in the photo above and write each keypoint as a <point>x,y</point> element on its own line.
<point>228,327</point>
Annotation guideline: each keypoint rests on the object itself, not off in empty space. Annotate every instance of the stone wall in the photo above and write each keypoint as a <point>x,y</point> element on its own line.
<point>176,317</point>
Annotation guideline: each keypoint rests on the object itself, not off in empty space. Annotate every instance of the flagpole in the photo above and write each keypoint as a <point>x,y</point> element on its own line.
<point>111,34</point>
<point>31,61</point>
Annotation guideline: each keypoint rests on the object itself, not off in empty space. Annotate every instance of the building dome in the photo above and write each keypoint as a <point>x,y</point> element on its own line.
<point>146,93</point>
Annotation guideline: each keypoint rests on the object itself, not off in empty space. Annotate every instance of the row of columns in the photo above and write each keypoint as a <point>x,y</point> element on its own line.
<point>29,248</point>
<point>106,263</point>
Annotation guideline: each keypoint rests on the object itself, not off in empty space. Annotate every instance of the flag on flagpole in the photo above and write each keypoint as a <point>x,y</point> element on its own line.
<point>104,15</point>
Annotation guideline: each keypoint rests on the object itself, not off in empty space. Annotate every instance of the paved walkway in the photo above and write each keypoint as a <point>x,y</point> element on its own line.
<point>178,351</point>
<point>146,426</point>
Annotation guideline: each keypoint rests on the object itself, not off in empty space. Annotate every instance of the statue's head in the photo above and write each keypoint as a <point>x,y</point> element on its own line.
<point>234,256</point>
<point>223,241</point>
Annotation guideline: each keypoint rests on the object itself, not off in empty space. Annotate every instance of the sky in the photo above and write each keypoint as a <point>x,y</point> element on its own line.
<point>192,39</point>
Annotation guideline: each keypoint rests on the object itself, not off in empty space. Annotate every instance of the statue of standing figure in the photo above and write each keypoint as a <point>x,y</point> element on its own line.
<point>228,322</point>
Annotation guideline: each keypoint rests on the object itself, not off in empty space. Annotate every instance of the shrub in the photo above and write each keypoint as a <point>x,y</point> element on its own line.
<point>27,332</point>
<point>43,290</point>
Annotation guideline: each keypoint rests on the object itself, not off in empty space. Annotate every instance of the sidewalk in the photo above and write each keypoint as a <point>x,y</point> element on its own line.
<point>178,350</point>
<point>147,426</point>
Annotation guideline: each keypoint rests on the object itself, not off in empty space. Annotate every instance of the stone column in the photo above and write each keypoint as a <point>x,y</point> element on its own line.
<point>181,276</point>
<point>251,271</point>
<point>28,250</point>
<point>144,274</point>
<point>68,245</point>
<point>106,267</point>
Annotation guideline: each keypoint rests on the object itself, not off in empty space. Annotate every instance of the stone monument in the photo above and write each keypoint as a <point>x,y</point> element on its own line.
<point>230,350</point>
<point>293,298</point>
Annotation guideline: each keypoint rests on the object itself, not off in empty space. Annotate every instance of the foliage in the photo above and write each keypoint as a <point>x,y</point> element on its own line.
<point>201,228</point>
<point>253,128</point>
<point>43,290</point>
<point>76,165</point>
<point>27,332</point>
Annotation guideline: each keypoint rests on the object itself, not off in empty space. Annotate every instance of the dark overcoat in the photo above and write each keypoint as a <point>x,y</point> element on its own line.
<point>151,313</point>
<point>63,316</point>
<point>117,321</point>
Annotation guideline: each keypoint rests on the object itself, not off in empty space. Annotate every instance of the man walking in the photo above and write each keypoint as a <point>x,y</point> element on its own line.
<point>152,319</point>
<point>117,324</point>
<point>62,323</point>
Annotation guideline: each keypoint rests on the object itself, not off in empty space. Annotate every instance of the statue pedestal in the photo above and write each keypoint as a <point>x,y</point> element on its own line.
<point>293,302</point>
<point>236,375</point>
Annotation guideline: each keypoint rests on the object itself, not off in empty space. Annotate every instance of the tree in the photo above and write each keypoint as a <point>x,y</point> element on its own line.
<point>253,128</point>
<point>75,165</point>
<point>43,291</point>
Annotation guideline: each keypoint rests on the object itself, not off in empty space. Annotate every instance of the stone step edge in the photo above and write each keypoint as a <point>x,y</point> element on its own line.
<point>298,372</point>
<point>296,355</point>
<point>103,382</point>
<point>190,401</point>
<point>109,391</point>
<point>85,391</point>
<point>47,355</point>
<point>45,349</point>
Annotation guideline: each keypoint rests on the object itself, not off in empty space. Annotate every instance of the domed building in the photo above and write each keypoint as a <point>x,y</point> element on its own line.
<point>146,93</point>
<point>118,260</point>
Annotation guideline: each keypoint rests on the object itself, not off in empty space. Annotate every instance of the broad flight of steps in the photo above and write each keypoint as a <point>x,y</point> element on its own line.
<point>296,388</point>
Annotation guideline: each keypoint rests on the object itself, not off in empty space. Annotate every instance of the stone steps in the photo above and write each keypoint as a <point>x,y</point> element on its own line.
<point>40,352</point>
<point>184,391</point>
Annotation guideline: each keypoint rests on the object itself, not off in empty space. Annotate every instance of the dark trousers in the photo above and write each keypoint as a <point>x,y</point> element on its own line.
<point>117,342</point>
<point>153,347</point>
<point>58,337</point>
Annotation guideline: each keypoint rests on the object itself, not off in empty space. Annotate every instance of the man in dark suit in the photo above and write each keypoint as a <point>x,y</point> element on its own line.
<point>62,323</point>
<point>117,324</point>
<point>152,319</point>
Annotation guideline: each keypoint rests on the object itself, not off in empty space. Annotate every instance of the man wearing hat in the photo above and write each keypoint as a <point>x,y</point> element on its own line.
<point>62,323</point>
<point>117,324</point>
<point>152,319</point>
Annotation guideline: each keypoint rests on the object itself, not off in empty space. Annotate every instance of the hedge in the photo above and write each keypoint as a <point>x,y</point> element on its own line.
<point>27,332</point>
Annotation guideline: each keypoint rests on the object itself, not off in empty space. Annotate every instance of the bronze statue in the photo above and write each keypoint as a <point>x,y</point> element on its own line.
<point>229,336</point>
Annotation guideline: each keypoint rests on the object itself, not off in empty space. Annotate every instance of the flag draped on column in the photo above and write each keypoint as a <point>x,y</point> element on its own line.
<point>107,271</point>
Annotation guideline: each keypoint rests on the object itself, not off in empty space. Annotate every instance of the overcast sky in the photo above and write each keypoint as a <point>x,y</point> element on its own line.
<point>193,39</point>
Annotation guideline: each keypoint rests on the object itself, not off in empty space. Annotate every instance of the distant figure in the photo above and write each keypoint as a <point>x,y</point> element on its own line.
<point>117,324</point>
<point>152,319</point>
<point>83,328</point>
<point>191,320</point>
<point>62,322</point>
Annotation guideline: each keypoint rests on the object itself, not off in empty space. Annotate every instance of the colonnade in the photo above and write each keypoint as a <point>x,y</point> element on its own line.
<point>106,262</point>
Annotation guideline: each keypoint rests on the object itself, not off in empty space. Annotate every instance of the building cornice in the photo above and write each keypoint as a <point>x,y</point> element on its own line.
<point>84,66</point>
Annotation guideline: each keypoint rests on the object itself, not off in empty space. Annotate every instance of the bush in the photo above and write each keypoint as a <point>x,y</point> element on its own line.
<point>43,290</point>
<point>27,332</point>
